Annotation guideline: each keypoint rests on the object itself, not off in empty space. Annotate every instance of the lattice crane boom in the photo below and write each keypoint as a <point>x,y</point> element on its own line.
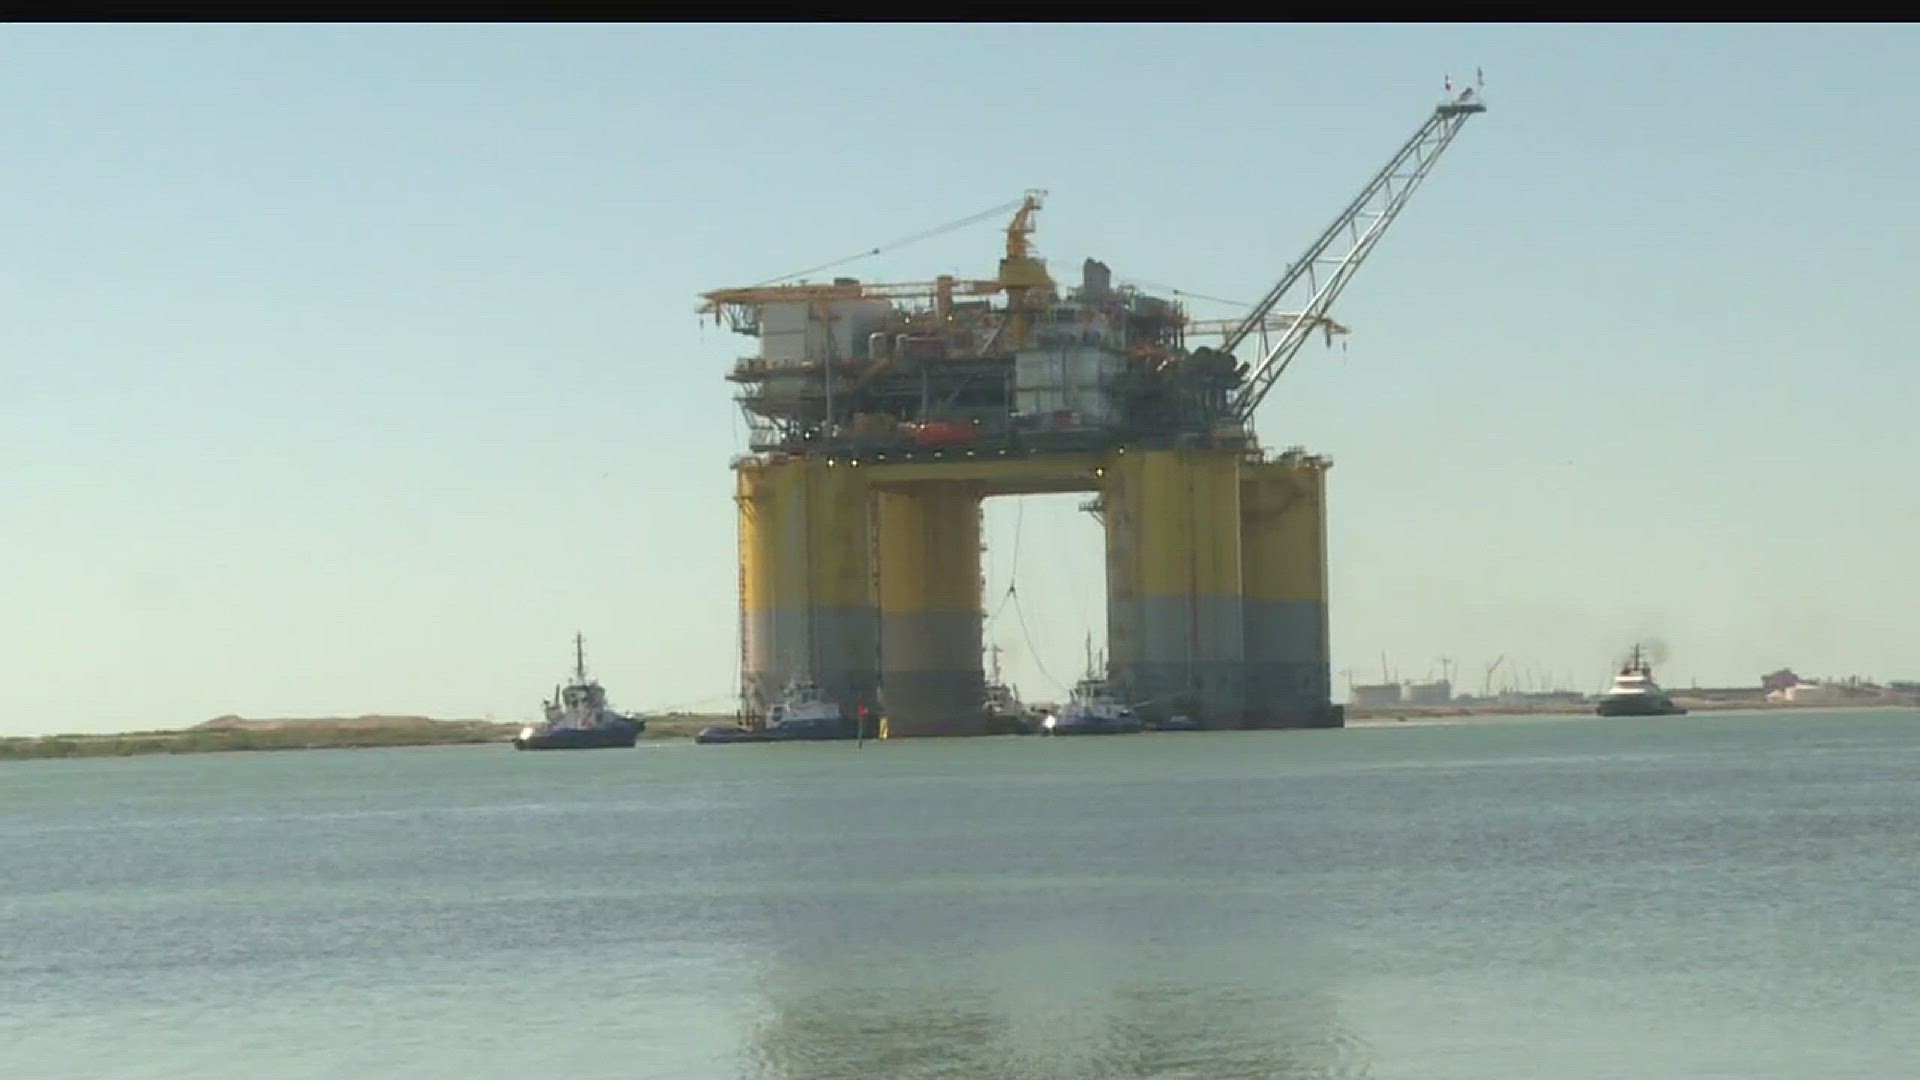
<point>1202,327</point>
<point>1361,224</point>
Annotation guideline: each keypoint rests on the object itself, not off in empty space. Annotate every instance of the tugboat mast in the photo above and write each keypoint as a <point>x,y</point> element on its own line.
<point>579,658</point>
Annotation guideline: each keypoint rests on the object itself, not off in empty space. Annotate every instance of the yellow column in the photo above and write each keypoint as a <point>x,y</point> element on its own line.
<point>1175,626</point>
<point>929,573</point>
<point>806,586</point>
<point>1284,560</point>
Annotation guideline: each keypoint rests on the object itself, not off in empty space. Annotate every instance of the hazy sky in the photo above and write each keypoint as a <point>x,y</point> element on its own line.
<point>353,369</point>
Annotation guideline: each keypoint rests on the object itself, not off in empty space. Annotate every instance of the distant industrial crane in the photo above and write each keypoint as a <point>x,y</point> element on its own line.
<point>1323,273</point>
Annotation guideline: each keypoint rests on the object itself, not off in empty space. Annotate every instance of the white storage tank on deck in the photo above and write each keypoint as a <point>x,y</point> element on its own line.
<point>1078,379</point>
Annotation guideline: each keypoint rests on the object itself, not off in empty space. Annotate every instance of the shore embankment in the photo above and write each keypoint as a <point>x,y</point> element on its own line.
<point>1391,713</point>
<point>233,733</point>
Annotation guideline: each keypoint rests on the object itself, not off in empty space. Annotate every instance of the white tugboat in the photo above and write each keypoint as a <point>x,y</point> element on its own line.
<point>800,714</point>
<point>1091,709</point>
<point>1634,693</point>
<point>1005,714</point>
<point>578,718</point>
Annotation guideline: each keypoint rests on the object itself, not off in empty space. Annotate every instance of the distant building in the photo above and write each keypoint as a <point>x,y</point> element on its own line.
<point>1541,698</point>
<point>1439,692</point>
<point>1375,695</point>
<point>1811,693</point>
<point>1779,680</point>
<point>1721,693</point>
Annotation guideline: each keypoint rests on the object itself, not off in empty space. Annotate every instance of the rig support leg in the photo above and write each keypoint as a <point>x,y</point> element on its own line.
<point>806,600</point>
<point>929,585</point>
<point>1284,561</point>
<point>1175,626</point>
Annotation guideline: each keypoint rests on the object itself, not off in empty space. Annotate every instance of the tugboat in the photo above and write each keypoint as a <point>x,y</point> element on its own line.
<point>799,715</point>
<point>1634,693</point>
<point>578,718</point>
<point>1091,709</point>
<point>802,714</point>
<point>1005,714</point>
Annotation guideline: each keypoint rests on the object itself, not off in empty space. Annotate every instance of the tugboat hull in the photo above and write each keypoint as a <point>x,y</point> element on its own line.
<point>604,737</point>
<point>816,731</point>
<point>791,731</point>
<point>1001,724</point>
<point>1638,708</point>
<point>1090,725</point>
<point>721,734</point>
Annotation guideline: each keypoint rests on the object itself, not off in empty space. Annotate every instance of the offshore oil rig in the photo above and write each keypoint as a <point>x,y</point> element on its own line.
<point>881,415</point>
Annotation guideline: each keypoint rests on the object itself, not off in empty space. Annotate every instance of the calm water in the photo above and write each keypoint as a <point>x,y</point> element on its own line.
<point>1709,896</point>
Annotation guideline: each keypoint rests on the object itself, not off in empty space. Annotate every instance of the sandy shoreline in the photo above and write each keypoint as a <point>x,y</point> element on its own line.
<point>231,733</point>
<point>1409,714</point>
